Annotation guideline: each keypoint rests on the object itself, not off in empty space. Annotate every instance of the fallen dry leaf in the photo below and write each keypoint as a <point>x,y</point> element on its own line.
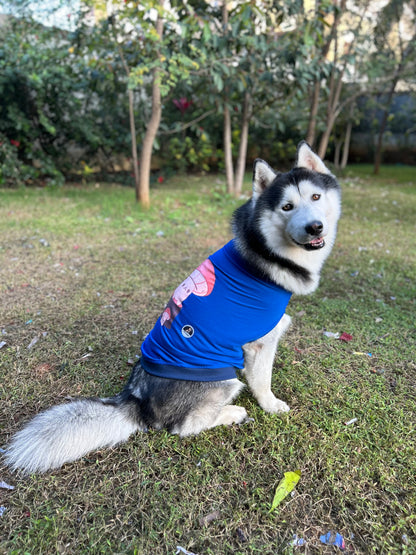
<point>43,369</point>
<point>207,519</point>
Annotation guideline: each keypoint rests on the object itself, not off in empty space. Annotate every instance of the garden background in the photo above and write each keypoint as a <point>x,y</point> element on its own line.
<point>141,90</point>
<point>85,270</point>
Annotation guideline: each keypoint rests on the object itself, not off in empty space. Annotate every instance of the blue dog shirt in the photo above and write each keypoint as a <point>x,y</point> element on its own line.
<point>221,306</point>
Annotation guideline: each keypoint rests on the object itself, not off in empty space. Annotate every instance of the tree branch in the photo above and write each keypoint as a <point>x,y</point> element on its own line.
<point>186,125</point>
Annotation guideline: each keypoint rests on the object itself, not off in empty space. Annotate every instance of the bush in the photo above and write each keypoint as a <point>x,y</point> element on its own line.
<point>192,152</point>
<point>57,107</point>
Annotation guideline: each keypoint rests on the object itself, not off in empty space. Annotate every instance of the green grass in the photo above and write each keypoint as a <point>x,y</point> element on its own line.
<point>388,175</point>
<point>98,287</point>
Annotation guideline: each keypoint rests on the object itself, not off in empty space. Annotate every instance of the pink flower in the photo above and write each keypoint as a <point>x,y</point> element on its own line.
<point>14,143</point>
<point>182,104</point>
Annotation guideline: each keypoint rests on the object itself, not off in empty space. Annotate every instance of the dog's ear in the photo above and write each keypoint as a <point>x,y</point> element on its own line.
<point>263,176</point>
<point>306,158</point>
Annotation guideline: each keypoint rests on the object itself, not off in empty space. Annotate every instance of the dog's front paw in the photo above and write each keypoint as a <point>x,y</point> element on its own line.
<point>269,403</point>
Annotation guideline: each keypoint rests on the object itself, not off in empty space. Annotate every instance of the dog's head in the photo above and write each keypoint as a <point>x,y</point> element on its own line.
<point>298,209</point>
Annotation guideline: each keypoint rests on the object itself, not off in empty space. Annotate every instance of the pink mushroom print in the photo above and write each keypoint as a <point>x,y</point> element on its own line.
<point>200,282</point>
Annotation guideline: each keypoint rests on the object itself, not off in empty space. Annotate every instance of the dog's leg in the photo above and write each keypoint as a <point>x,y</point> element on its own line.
<point>209,417</point>
<point>214,410</point>
<point>230,414</point>
<point>259,357</point>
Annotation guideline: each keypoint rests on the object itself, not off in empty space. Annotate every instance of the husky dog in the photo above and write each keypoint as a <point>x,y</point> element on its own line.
<point>229,314</point>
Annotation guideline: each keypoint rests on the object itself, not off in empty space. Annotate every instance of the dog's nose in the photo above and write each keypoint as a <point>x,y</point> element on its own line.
<point>314,228</point>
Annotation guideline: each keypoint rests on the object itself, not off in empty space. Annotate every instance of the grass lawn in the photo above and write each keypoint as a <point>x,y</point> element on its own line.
<point>84,274</point>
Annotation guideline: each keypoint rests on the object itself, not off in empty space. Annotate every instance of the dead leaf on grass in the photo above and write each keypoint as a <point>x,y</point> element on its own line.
<point>43,369</point>
<point>241,535</point>
<point>84,357</point>
<point>33,342</point>
<point>207,519</point>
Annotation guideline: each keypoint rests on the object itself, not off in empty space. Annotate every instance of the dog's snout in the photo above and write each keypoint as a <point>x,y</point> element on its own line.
<point>314,228</point>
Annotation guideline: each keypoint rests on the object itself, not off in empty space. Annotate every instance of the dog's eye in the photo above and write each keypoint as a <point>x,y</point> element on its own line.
<point>316,196</point>
<point>287,207</point>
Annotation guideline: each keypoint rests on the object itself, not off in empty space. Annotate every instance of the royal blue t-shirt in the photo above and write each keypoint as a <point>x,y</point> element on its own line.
<point>221,306</point>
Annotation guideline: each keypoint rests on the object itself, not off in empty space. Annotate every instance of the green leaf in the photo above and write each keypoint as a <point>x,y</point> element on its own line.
<point>218,82</point>
<point>206,32</point>
<point>285,486</point>
<point>46,124</point>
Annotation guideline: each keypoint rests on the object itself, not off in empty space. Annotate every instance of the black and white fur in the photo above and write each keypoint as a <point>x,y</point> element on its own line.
<point>286,230</point>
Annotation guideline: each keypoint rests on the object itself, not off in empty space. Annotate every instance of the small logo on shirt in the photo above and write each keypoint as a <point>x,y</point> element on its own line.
<point>187,331</point>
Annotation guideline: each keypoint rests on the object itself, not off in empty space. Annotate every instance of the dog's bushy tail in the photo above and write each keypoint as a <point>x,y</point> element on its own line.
<point>67,432</point>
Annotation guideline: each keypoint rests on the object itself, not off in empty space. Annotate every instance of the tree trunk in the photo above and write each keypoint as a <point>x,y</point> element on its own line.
<point>347,141</point>
<point>404,53</point>
<point>142,191</point>
<point>323,144</point>
<point>242,151</point>
<point>379,147</point>
<point>332,113</point>
<point>333,98</point>
<point>227,135</point>
<point>383,124</point>
<point>228,152</point>
<point>133,141</point>
<point>338,145</point>
<point>336,81</point>
<point>310,135</point>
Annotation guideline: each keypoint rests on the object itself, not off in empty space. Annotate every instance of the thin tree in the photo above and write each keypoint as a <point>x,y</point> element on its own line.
<point>402,55</point>
<point>336,82</point>
<point>227,138</point>
<point>143,187</point>
<point>326,43</point>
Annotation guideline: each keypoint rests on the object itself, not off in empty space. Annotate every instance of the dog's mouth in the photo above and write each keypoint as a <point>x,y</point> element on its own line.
<point>313,245</point>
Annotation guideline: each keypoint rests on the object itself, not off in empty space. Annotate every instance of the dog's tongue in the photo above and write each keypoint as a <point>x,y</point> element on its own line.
<point>316,241</point>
